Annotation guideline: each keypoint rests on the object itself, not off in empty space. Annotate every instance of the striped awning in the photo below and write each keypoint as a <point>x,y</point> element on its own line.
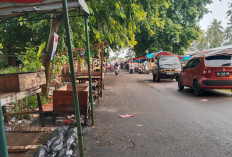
<point>15,8</point>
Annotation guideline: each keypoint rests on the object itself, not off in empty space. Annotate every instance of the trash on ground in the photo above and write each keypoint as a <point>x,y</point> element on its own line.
<point>139,125</point>
<point>125,116</point>
<point>63,142</point>
<point>204,100</point>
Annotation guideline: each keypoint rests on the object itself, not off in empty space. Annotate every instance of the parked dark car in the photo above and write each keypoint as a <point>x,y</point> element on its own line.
<point>207,72</point>
<point>166,67</point>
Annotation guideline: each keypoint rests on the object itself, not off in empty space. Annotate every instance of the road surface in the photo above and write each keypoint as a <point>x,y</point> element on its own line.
<point>165,123</point>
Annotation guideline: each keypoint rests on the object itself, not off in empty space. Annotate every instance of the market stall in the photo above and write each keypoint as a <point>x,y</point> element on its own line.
<point>15,8</point>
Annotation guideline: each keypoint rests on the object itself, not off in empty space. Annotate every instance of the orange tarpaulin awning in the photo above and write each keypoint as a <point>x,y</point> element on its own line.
<point>144,57</point>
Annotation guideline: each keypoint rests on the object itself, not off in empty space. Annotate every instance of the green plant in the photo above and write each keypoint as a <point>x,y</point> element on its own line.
<point>31,59</point>
<point>59,60</point>
<point>29,104</point>
<point>9,70</point>
<point>3,64</point>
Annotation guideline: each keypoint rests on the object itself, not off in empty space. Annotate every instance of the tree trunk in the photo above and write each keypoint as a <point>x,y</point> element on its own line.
<point>54,25</point>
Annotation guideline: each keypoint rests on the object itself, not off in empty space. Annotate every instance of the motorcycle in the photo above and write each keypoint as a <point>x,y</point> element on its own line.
<point>132,70</point>
<point>116,70</point>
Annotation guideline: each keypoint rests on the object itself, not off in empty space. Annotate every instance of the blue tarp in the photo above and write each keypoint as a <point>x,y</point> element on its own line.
<point>186,58</point>
<point>152,54</point>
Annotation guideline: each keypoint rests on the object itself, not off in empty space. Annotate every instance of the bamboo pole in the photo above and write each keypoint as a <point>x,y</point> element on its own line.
<point>3,146</point>
<point>89,69</point>
<point>73,77</point>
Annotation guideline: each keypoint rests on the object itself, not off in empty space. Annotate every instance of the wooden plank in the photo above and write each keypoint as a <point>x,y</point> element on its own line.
<point>40,109</point>
<point>63,99</point>
<point>14,149</point>
<point>87,77</point>
<point>23,113</point>
<point>21,81</point>
<point>9,83</point>
<point>7,98</point>
<point>30,80</point>
<point>4,112</point>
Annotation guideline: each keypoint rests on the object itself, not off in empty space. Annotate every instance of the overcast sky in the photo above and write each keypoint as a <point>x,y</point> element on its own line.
<point>218,9</point>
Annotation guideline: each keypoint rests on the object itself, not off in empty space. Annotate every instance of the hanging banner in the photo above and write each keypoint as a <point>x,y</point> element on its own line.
<point>21,1</point>
<point>55,42</point>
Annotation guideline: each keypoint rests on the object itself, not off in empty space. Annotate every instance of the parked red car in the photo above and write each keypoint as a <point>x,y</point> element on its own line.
<point>207,72</point>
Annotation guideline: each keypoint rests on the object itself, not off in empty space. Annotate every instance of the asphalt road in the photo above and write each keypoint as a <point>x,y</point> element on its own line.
<point>166,122</point>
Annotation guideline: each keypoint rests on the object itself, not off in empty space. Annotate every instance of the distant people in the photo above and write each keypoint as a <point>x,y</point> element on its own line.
<point>116,65</point>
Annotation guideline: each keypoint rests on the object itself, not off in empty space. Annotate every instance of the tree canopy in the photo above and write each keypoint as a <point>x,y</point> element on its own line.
<point>176,31</point>
<point>146,26</point>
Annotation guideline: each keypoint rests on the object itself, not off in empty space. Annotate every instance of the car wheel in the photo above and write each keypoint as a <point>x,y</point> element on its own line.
<point>180,86</point>
<point>197,89</point>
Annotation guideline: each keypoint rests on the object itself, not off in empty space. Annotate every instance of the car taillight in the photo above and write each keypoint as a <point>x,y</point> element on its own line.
<point>207,71</point>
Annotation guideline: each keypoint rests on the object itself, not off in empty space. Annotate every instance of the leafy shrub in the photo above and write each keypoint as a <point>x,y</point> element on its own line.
<point>31,59</point>
<point>9,70</point>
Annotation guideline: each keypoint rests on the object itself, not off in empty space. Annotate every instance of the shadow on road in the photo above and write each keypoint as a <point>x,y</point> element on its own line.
<point>207,93</point>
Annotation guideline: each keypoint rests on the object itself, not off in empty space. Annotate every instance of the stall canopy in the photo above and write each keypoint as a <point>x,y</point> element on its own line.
<point>16,8</point>
<point>150,55</point>
<point>186,58</point>
<point>140,58</point>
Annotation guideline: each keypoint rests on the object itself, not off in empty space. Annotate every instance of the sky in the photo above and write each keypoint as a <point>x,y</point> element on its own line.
<point>218,9</point>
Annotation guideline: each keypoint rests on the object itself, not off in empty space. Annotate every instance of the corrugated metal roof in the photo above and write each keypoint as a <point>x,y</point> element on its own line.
<point>13,9</point>
<point>215,51</point>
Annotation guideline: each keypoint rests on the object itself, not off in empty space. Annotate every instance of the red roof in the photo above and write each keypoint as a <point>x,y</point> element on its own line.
<point>135,59</point>
<point>166,53</point>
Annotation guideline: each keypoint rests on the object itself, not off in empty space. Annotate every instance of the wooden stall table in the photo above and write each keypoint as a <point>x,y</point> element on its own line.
<point>8,98</point>
<point>98,79</point>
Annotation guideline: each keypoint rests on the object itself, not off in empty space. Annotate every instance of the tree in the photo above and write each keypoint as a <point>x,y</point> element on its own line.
<point>228,35</point>
<point>215,34</point>
<point>177,29</point>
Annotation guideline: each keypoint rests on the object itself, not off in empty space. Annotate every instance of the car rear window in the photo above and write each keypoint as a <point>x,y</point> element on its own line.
<point>169,60</point>
<point>218,61</point>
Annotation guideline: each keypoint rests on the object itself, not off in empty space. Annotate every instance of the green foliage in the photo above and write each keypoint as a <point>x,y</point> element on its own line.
<point>31,59</point>
<point>15,34</point>
<point>9,70</point>
<point>215,34</point>
<point>29,104</point>
<point>3,64</point>
<point>149,25</point>
<point>176,29</point>
<point>59,60</point>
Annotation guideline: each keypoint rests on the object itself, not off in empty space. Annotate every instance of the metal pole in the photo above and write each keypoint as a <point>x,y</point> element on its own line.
<point>3,146</point>
<point>75,96</point>
<point>89,68</point>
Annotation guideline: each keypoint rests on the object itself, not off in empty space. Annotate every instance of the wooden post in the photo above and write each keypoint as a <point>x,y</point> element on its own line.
<point>54,26</point>
<point>40,109</point>
<point>4,112</point>
<point>102,52</point>
<point>20,101</point>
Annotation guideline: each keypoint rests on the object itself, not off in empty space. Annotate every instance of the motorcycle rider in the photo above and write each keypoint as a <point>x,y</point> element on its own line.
<point>116,68</point>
